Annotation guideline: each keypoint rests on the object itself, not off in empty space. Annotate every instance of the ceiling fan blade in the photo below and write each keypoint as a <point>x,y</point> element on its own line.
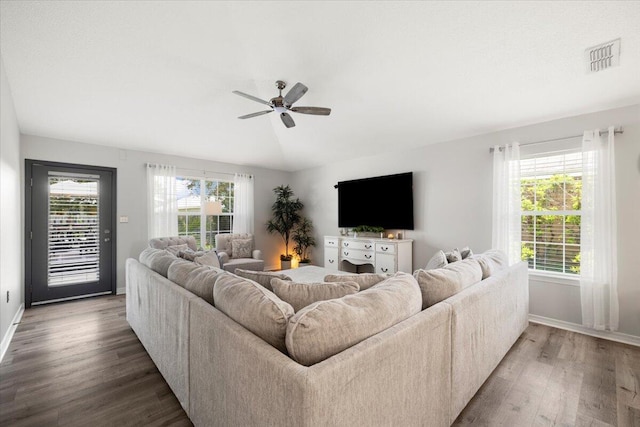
<point>259,113</point>
<point>318,111</point>
<point>295,93</point>
<point>287,120</point>
<point>251,97</point>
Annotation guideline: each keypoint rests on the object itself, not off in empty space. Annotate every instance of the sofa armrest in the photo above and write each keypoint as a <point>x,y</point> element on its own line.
<point>223,257</point>
<point>257,254</point>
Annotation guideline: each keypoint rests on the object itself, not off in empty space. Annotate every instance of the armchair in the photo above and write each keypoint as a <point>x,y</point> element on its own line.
<point>238,251</point>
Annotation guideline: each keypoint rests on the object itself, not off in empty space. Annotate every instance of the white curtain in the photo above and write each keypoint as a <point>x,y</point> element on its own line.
<point>162,203</point>
<point>598,242</point>
<point>243,203</point>
<point>507,211</point>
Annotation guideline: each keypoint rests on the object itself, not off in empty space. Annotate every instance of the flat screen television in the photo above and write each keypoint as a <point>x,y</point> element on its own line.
<point>381,201</point>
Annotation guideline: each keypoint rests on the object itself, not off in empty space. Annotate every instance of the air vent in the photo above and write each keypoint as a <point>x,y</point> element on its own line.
<point>602,56</point>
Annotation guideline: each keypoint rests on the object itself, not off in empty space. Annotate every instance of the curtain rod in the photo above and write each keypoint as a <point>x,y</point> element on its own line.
<point>204,171</point>
<point>560,139</point>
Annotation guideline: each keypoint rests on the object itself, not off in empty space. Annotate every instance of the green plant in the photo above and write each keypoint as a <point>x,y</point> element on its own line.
<point>303,239</point>
<point>285,213</point>
<point>368,229</point>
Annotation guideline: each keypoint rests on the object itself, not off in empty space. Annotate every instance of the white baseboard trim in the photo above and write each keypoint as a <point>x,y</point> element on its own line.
<point>121,291</point>
<point>6,340</point>
<point>574,327</point>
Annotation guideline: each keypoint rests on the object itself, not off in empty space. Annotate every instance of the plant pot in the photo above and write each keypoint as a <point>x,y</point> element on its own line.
<point>304,264</point>
<point>285,265</point>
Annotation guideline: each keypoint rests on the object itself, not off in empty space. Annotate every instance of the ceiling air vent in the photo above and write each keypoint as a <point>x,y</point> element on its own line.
<point>602,56</point>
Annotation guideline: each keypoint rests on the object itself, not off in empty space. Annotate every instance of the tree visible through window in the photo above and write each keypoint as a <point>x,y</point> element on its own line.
<point>193,220</point>
<point>551,189</point>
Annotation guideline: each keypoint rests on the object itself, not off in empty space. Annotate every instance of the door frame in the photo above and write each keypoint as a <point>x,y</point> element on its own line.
<point>28,172</point>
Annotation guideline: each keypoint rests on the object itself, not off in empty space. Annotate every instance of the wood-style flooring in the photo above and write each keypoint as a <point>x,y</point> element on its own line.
<point>79,364</point>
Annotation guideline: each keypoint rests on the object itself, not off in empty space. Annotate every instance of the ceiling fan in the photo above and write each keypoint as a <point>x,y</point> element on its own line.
<point>282,105</point>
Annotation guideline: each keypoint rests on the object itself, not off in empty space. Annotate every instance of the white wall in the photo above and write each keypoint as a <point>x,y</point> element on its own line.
<point>131,170</point>
<point>453,202</point>
<point>11,245</point>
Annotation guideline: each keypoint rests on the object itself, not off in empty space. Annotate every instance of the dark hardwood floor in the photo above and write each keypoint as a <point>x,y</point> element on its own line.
<point>79,364</point>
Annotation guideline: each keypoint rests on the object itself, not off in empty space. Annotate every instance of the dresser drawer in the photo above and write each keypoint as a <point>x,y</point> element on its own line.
<point>359,245</point>
<point>331,258</point>
<point>331,242</point>
<point>357,255</point>
<point>386,248</point>
<point>385,263</point>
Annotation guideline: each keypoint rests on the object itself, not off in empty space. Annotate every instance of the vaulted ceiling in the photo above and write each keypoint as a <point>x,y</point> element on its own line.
<point>159,76</point>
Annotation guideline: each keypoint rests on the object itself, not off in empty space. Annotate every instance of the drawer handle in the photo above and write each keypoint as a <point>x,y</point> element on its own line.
<point>367,246</point>
<point>367,256</point>
<point>345,244</point>
<point>384,248</point>
<point>345,253</point>
<point>384,270</point>
<point>331,242</point>
<point>330,261</point>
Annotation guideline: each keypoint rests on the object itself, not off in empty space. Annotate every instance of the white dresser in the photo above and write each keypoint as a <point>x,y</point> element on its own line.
<point>368,255</point>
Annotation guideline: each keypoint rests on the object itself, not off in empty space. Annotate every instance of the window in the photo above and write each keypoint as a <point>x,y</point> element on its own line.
<point>194,216</point>
<point>551,189</point>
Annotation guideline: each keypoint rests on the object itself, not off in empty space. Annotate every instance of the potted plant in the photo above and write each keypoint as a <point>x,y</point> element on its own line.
<point>367,230</point>
<point>304,240</point>
<point>285,213</point>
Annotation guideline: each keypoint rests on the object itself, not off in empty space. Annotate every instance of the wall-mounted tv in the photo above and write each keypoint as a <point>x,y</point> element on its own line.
<point>381,201</point>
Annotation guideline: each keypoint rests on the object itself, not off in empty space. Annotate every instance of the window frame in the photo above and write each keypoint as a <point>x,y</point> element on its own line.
<point>203,233</point>
<point>549,275</point>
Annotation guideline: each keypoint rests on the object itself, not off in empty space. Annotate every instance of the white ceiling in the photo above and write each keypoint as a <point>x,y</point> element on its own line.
<point>158,76</point>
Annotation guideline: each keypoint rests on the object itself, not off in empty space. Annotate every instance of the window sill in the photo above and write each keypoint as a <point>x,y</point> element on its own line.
<point>556,279</point>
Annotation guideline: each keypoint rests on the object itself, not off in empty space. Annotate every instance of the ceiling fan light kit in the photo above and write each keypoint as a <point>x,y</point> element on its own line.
<point>283,105</point>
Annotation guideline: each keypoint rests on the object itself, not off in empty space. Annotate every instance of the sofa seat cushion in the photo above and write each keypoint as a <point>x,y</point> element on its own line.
<point>300,295</point>
<point>254,307</point>
<point>441,283</point>
<point>243,263</point>
<point>157,260</point>
<point>364,280</point>
<point>328,327</point>
<point>261,277</point>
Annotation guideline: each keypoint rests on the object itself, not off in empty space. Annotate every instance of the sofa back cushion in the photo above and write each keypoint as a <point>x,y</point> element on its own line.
<point>328,327</point>
<point>440,283</point>
<point>164,242</point>
<point>157,260</point>
<point>364,280</point>
<point>491,262</point>
<point>202,281</point>
<point>261,277</point>
<point>254,307</point>
<point>300,295</point>
<point>180,270</point>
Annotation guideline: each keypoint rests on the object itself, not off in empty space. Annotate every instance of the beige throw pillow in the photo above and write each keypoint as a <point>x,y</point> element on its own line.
<point>261,277</point>
<point>439,260</point>
<point>176,249</point>
<point>364,280</point>
<point>241,248</point>
<point>453,256</point>
<point>208,258</point>
<point>328,327</point>
<point>254,307</point>
<point>441,283</point>
<point>300,295</point>
<point>491,262</point>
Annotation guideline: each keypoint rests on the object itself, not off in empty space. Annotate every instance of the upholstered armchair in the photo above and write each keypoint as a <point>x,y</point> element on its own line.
<point>238,251</point>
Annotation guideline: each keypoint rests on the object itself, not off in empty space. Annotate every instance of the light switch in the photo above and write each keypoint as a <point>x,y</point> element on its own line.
<point>124,219</point>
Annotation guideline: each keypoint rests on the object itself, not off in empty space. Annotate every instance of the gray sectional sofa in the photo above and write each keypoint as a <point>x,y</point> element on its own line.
<point>421,371</point>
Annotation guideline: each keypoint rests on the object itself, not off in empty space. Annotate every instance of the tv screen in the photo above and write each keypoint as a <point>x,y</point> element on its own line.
<point>382,201</point>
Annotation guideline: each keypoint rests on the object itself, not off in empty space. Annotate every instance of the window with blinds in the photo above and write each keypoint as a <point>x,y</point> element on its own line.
<point>73,255</point>
<point>551,188</point>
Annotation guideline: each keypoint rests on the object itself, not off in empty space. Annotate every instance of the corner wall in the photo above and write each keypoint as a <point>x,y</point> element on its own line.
<point>132,182</point>
<point>453,202</point>
<point>11,245</point>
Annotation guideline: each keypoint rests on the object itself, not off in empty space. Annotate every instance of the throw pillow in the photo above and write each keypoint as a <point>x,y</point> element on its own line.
<point>364,280</point>
<point>176,249</point>
<point>208,258</point>
<point>300,295</point>
<point>261,277</point>
<point>441,283</point>
<point>491,262</point>
<point>454,255</point>
<point>241,248</point>
<point>254,307</point>
<point>328,327</point>
<point>439,260</point>
<point>466,252</point>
